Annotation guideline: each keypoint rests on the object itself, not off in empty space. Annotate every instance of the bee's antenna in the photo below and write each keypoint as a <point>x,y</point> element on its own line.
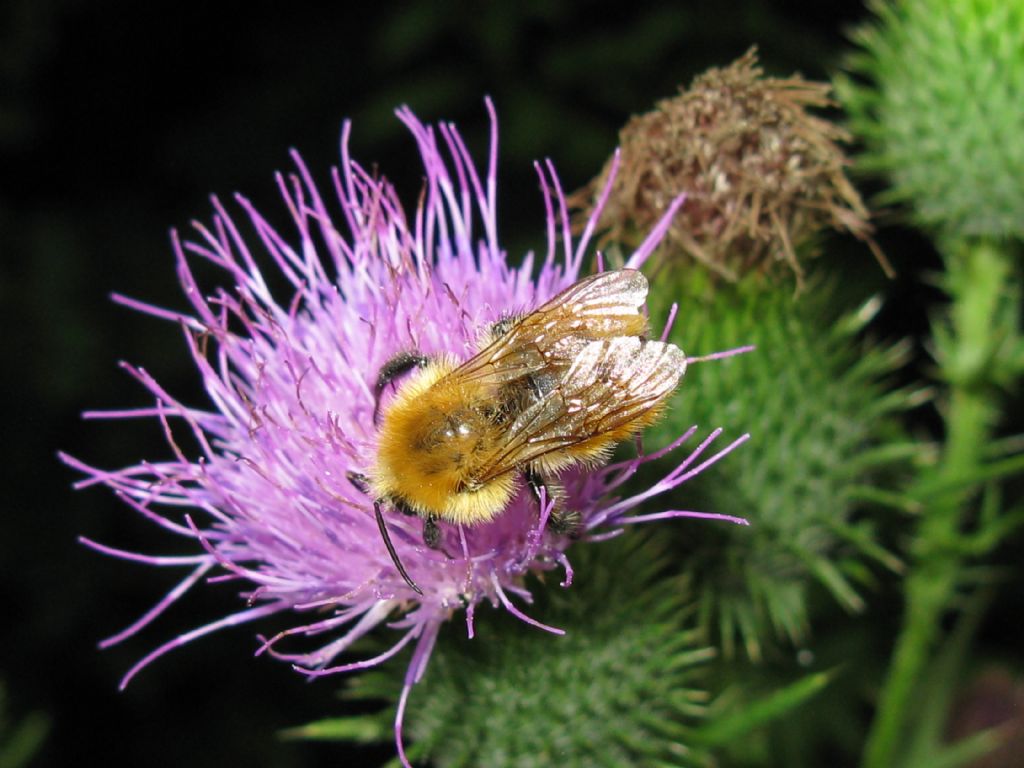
<point>391,549</point>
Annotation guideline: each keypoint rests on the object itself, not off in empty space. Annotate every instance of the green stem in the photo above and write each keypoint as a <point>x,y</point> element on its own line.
<point>977,280</point>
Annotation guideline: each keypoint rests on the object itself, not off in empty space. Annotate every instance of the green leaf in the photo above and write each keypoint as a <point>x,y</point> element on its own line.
<point>19,747</point>
<point>964,752</point>
<point>942,486</point>
<point>362,729</point>
<point>740,721</point>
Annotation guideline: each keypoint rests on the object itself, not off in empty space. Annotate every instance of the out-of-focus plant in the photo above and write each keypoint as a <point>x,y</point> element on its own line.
<point>935,90</point>
<point>20,741</point>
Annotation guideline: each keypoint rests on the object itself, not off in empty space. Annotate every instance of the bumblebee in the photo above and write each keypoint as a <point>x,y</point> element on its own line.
<point>550,389</point>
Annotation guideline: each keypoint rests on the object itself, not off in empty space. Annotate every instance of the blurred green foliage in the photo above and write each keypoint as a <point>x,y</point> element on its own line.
<point>934,89</point>
<point>20,741</point>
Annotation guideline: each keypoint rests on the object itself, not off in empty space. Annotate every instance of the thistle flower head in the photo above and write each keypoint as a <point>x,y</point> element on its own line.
<point>269,500</point>
<point>763,176</point>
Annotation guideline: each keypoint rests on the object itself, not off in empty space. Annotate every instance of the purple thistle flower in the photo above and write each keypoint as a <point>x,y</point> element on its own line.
<point>291,381</point>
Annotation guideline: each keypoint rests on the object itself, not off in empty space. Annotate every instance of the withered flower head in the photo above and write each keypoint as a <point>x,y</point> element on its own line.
<point>762,175</point>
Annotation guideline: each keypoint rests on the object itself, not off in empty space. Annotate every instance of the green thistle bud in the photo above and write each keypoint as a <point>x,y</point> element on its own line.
<point>815,404</point>
<point>617,689</point>
<point>943,113</point>
<point>762,175</point>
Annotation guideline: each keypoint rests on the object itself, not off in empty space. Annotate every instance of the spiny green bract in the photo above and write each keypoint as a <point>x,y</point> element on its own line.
<point>812,399</point>
<point>943,111</point>
<point>617,689</point>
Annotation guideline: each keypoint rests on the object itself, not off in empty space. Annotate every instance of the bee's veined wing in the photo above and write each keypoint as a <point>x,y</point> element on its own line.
<point>600,306</point>
<point>611,383</point>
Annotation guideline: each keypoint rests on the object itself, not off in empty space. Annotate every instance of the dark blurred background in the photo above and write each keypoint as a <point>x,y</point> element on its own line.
<point>117,120</point>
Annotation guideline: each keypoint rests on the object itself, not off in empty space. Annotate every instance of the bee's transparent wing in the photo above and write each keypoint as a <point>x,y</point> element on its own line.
<point>549,338</point>
<point>610,383</point>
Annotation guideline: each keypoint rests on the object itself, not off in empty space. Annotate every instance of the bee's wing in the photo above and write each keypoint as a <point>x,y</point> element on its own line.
<point>549,338</point>
<point>610,383</point>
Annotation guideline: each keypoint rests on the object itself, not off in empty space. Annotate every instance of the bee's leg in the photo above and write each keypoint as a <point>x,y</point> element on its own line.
<point>432,533</point>
<point>399,365</point>
<point>391,549</point>
<point>561,521</point>
<point>503,326</point>
<point>360,481</point>
<point>404,508</point>
<point>536,484</point>
<point>431,530</point>
<point>565,522</point>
